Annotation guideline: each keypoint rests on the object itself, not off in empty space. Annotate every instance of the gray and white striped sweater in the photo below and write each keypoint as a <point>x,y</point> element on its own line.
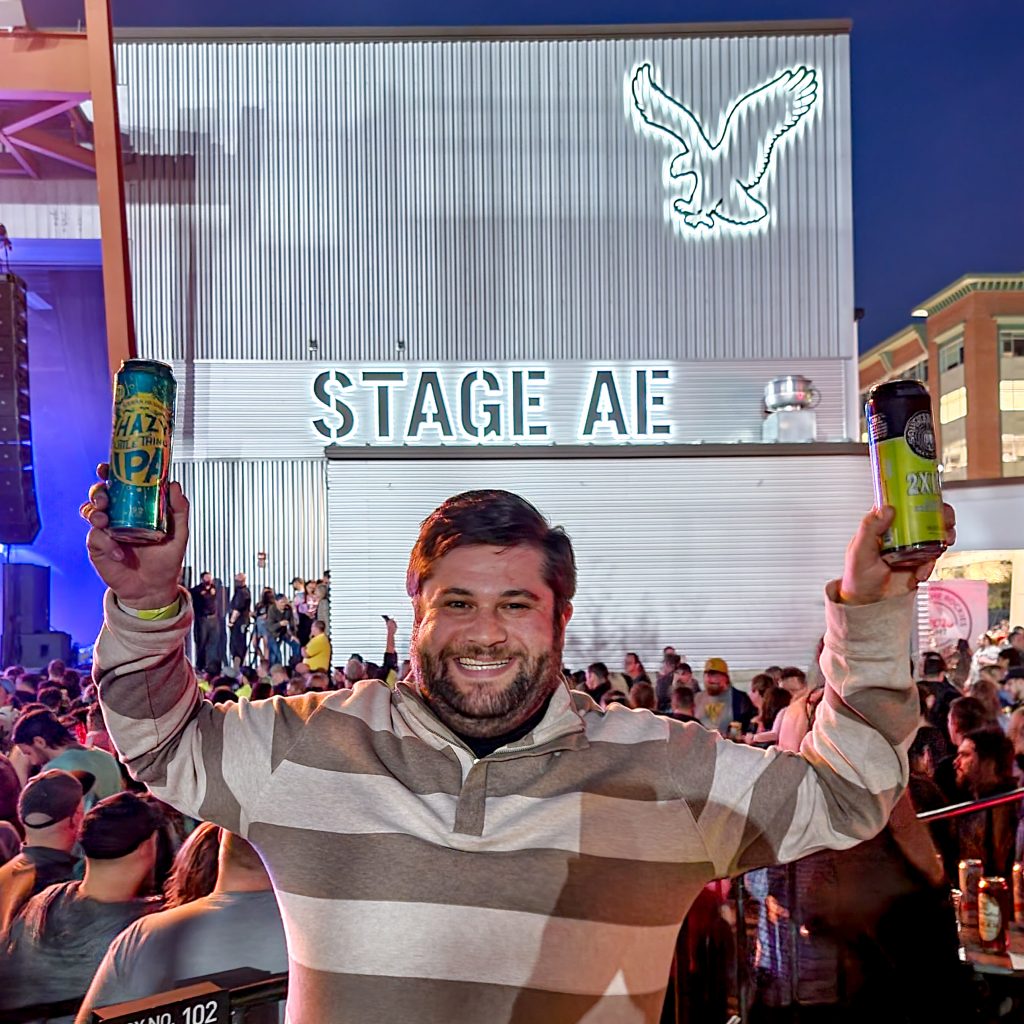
<point>543,883</point>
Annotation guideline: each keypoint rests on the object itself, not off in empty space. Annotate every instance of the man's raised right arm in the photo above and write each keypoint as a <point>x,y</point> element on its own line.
<point>209,761</point>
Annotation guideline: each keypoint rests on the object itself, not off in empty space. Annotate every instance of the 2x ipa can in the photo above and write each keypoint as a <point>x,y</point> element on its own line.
<point>140,451</point>
<point>901,436</point>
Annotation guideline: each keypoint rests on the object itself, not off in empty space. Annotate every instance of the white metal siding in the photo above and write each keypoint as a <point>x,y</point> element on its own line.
<point>242,508</point>
<point>721,557</point>
<point>470,198</point>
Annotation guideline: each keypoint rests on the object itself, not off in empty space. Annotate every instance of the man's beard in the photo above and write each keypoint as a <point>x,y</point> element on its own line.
<point>487,709</point>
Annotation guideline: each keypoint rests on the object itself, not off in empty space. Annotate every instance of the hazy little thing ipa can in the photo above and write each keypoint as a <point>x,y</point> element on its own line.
<point>901,436</point>
<point>140,451</point>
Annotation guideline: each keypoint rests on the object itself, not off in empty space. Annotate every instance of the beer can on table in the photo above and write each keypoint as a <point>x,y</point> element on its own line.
<point>735,730</point>
<point>995,909</point>
<point>1018,892</point>
<point>971,871</point>
<point>140,451</point>
<point>901,436</point>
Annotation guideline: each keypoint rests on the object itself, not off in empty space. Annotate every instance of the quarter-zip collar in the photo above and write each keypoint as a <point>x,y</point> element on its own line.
<point>561,728</point>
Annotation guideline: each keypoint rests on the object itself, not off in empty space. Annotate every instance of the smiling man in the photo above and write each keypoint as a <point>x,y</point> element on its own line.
<point>464,826</point>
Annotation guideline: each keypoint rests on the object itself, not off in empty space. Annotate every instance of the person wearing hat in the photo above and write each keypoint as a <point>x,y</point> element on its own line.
<point>41,740</point>
<point>50,809</point>
<point>58,940</point>
<point>720,703</point>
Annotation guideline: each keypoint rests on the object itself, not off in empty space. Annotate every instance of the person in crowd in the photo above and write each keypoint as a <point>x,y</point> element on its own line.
<point>683,676</point>
<point>239,614</point>
<point>246,678</point>
<point>663,684</point>
<point>193,872</point>
<point>929,749</point>
<point>317,653</point>
<point>52,697</point>
<point>317,682</point>
<point>8,710</point>
<point>634,670</point>
<point>641,695</point>
<point>55,672</point>
<point>596,681</point>
<point>262,690</point>
<point>987,692</point>
<point>775,701</point>
<point>986,653</point>
<point>960,667</point>
<point>296,686</point>
<point>72,684</point>
<point>491,585</point>
<point>51,810</point>
<point>305,612</point>
<point>280,624</point>
<point>682,704</point>
<point>760,684</point>
<point>96,734</point>
<point>720,703</point>
<point>58,940</point>
<point>610,697</point>
<point>1011,666</point>
<point>41,740</point>
<point>775,672</point>
<point>984,767</point>
<point>939,690</point>
<point>223,694</point>
<point>237,925</point>
<point>323,607</point>
<point>966,714</point>
<point>263,606</point>
<point>355,670</point>
<point>207,625</point>
<point>10,790</point>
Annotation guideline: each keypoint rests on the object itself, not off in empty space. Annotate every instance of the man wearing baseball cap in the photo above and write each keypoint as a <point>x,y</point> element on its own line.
<point>50,808</point>
<point>720,703</point>
<point>57,941</point>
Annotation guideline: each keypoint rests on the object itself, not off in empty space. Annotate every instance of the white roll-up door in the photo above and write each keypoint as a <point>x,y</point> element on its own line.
<point>715,556</point>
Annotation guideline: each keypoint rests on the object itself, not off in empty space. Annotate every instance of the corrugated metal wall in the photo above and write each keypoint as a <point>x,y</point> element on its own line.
<point>715,556</point>
<point>471,198</point>
<point>242,508</point>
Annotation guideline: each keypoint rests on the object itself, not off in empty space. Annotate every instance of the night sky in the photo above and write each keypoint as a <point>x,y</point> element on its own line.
<point>938,113</point>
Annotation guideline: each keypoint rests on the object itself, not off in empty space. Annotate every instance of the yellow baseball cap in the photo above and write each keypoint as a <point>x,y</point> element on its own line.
<point>716,665</point>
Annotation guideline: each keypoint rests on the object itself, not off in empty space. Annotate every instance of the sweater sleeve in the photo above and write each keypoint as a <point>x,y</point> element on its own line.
<point>210,761</point>
<point>756,807</point>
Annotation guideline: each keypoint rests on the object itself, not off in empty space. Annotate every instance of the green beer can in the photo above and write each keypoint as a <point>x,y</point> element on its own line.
<point>140,451</point>
<point>901,437</point>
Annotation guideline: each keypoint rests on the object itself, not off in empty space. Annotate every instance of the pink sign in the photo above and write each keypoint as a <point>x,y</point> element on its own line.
<point>957,610</point>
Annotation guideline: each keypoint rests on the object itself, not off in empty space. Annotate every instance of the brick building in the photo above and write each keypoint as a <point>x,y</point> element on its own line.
<point>966,343</point>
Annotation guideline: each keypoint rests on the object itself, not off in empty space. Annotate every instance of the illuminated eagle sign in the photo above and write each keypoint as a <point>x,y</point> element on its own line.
<point>719,179</point>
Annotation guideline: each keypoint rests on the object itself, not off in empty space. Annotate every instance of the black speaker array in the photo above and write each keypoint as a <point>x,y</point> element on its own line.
<point>19,512</point>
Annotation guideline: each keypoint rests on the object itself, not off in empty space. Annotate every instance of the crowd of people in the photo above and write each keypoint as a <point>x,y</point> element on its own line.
<point>109,894</point>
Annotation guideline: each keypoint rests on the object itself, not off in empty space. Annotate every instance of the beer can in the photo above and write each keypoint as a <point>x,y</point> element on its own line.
<point>140,451</point>
<point>735,730</point>
<point>994,913</point>
<point>970,872</point>
<point>1018,892</point>
<point>901,438</point>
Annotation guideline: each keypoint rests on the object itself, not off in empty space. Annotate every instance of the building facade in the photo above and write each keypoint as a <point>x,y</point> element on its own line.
<point>390,267</point>
<point>967,344</point>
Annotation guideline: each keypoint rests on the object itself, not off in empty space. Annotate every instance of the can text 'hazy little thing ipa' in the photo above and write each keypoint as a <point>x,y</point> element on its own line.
<point>901,436</point>
<point>140,451</point>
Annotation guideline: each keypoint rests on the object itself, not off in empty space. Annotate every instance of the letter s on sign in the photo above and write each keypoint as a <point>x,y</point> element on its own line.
<point>329,398</point>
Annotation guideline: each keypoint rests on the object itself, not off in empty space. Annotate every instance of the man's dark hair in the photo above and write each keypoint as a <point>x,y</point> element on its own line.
<point>684,666</point>
<point>772,669</point>
<point>968,714</point>
<point>41,722</point>
<point>599,669</point>
<point>672,660</point>
<point>223,695</point>
<point>683,696</point>
<point>932,664</point>
<point>262,691</point>
<point>500,519</point>
<point>928,739</point>
<point>248,674</point>
<point>51,697</point>
<point>1013,657</point>
<point>992,744</point>
<point>792,672</point>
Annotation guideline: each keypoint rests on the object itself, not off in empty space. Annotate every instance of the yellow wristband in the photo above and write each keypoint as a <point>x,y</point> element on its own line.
<point>155,614</point>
